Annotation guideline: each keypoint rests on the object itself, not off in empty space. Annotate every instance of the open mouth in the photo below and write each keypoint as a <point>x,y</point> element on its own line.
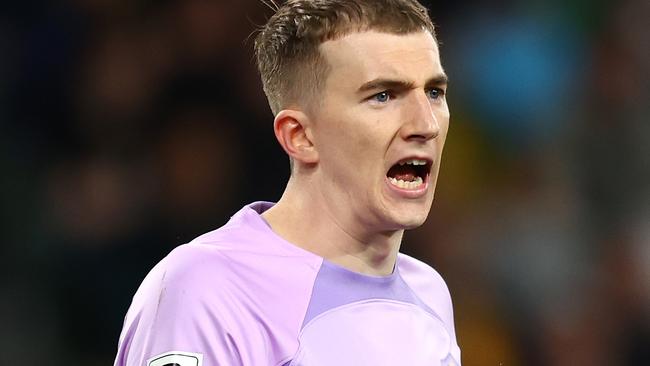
<point>409,173</point>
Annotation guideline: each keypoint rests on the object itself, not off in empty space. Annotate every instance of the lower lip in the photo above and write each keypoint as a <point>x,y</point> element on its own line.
<point>409,193</point>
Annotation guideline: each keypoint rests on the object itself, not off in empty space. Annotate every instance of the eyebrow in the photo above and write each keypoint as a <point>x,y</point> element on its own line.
<point>386,83</point>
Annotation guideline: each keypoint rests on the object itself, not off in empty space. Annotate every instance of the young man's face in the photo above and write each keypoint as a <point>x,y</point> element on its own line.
<point>380,128</point>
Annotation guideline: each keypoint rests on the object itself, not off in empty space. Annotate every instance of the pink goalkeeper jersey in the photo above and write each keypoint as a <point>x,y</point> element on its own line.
<point>242,295</point>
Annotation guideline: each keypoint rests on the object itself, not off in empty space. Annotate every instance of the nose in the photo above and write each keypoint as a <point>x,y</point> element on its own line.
<point>421,122</point>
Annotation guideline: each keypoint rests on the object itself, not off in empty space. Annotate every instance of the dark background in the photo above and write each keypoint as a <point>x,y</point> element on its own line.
<point>130,127</point>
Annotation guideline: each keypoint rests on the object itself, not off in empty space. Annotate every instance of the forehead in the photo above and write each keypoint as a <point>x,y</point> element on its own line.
<point>359,57</point>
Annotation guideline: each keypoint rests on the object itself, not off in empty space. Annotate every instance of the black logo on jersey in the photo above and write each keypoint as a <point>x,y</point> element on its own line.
<point>176,358</point>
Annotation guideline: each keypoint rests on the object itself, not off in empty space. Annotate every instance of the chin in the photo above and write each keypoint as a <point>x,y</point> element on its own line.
<point>404,213</point>
<point>413,224</point>
<point>409,220</point>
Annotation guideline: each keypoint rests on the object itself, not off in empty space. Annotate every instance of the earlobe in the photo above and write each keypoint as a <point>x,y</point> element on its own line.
<point>292,129</point>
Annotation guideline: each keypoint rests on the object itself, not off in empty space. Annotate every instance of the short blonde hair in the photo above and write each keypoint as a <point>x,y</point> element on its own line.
<point>287,47</point>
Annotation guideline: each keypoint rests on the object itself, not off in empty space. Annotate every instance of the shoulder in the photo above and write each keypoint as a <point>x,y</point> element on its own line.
<point>208,265</point>
<point>189,263</point>
<point>170,311</point>
<point>191,301</point>
<point>420,274</point>
<point>214,257</point>
<point>428,285</point>
<point>212,295</point>
<point>233,269</point>
<point>188,276</point>
<point>192,272</point>
<point>239,257</point>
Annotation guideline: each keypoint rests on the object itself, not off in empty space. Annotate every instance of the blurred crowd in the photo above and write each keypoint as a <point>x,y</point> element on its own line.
<point>130,127</point>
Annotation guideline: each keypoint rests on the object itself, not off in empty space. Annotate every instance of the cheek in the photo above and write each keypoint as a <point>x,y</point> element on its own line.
<point>443,121</point>
<point>444,116</point>
<point>352,136</point>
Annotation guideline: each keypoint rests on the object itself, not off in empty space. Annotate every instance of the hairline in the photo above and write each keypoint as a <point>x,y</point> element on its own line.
<point>318,83</point>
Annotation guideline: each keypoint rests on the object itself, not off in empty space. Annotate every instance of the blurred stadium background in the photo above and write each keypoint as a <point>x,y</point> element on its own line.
<point>129,127</point>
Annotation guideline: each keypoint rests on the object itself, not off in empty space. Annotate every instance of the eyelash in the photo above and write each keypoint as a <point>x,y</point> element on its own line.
<point>390,95</point>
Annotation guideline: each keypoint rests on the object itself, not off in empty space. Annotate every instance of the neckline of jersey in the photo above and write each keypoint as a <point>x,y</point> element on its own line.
<point>255,210</point>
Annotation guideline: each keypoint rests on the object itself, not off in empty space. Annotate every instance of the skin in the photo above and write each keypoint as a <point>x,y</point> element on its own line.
<point>338,202</point>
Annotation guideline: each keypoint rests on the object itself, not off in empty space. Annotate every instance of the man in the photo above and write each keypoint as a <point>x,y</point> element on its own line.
<point>358,94</point>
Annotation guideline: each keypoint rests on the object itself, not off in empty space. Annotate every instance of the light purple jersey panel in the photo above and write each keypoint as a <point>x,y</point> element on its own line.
<point>356,319</point>
<point>336,286</point>
<point>430,287</point>
<point>375,332</point>
<point>236,295</point>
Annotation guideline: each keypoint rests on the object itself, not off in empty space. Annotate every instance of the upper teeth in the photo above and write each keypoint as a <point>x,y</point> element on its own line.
<point>413,162</point>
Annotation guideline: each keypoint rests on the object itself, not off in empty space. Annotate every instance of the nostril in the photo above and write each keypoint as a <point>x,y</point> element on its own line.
<point>424,135</point>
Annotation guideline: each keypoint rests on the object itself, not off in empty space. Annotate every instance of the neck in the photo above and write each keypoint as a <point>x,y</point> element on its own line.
<point>304,218</point>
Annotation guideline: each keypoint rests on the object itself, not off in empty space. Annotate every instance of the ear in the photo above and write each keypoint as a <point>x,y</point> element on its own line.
<point>293,130</point>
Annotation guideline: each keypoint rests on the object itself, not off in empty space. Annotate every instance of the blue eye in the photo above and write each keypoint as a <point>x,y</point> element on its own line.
<point>435,93</point>
<point>382,97</point>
